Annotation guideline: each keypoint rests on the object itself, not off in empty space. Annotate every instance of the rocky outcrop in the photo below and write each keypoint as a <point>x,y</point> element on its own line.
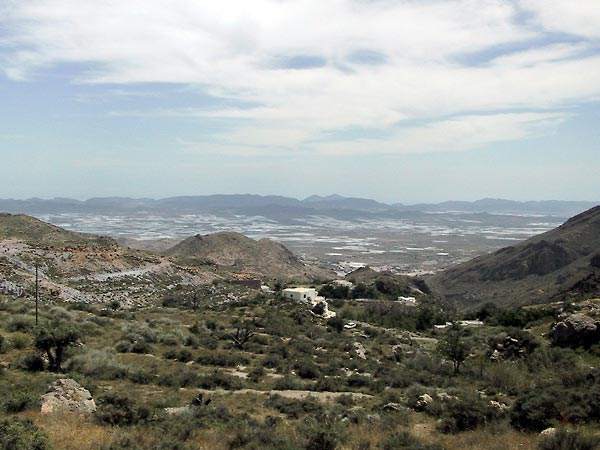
<point>575,330</point>
<point>360,350</point>
<point>395,407</point>
<point>423,402</point>
<point>511,347</point>
<point>67,396</point>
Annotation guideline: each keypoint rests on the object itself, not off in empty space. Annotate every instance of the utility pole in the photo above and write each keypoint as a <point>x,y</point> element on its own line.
<point>37,293</point>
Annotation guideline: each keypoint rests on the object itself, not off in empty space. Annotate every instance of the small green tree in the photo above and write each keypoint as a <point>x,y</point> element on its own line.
<point>454,347</point>
<point>54,339</point>
<point>335,323</point>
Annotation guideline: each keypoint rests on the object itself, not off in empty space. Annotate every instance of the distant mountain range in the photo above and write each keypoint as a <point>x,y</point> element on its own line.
<point>272,205</point>
<point>560,264</point>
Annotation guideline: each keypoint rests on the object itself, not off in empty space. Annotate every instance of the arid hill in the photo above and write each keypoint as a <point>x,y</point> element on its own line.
<point>30,230</point>
<point>82,267</point>
<point>389,283</point>
<point>236,253</point>
<point>560,264</point>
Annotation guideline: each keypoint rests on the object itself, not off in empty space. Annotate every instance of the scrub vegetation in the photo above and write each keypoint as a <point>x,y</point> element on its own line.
<point>266,373</point>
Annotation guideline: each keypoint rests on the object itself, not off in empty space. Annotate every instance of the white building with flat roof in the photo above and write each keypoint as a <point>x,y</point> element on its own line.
<point>310,297</point>
<point>408,301</point>
<point>302,294</point>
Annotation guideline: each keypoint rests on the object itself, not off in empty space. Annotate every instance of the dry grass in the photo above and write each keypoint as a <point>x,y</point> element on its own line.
<point>73,432</point>
<point>484,440</point>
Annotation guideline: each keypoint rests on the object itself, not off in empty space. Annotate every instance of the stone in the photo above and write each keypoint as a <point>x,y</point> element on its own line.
<point>393,407</point>
<point>423,402</point>
<point>574,330</point>
<point>67,396</point>
<point>500,407</point>
<point>548,432</point>
<point>178,411</point>
<point>444,396</point>
<point>360,350</point>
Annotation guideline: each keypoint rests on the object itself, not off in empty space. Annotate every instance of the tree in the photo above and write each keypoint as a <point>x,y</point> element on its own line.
<point>195,301</point>
<point>336,324</point>
<point>244,331</point>
<point>54,340</point>
<point>425,315</point>
<point>454,347</point>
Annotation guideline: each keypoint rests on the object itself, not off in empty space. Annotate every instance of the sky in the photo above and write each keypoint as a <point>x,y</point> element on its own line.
<point>397,100</point>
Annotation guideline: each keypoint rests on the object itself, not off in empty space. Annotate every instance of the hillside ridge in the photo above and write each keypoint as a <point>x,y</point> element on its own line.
<point>545,267</point>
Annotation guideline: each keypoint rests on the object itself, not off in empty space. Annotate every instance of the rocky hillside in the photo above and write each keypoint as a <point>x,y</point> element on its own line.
<point>559,264</point>
<point>81,267</point>
<point>388,283</point>
<point>30,230</point>
<point>236,253</point>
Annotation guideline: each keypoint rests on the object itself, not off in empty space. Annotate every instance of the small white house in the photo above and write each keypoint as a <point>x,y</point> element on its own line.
<point>310,297</point>
<point>462,323</point>
<point>301,294</point>
<point>408,301</point>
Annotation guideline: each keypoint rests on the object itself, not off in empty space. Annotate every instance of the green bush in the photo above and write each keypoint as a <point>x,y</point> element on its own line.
<point>564,439</point>
<point>20,341</point>
<point>221,359</point>
<point>287,383</point>
<point>273,361</point>
<point>97,363</point>
<point>356,380</point>
<point>30,362</point>
<point>14,400</point>
<point>321,433</point>
<point>22,434</point>
<point>20,322</point>
<point>263,437</point>
<point>169,339</point>
<point>466,413</point>
<point>123,346</point>
<point>116,409</point>
<point>218,379</point>
<point>307,369</point>
<point>535,410</point>
<point>184,355</point>
<point>293,408</point>
<point>403,440</point>
<point>256,374</point>
<point>139,376</point>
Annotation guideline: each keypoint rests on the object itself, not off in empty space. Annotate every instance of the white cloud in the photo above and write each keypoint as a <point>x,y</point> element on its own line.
<point>457,134</point>
<point>579,18</point>
<point>449,135</point>
<point>231,48</point>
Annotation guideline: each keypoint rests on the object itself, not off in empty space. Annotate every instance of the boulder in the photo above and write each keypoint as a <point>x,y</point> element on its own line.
<point>67,396</point>
<point>393,407</point>
<point>360,351</point>
<point>575,330</point>
<point>444,396</point>
<point>178,411</point>
<point>502,408</point>
<point>423,402</point>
